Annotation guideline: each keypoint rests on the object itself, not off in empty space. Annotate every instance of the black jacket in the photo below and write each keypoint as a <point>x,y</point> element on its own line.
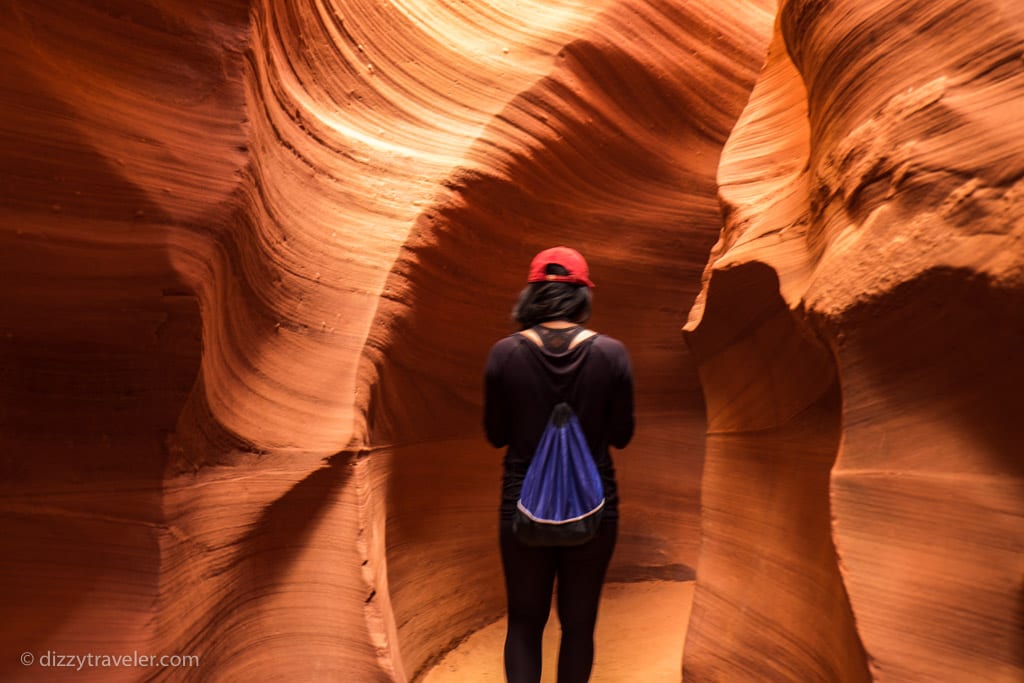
<point>523,382</point>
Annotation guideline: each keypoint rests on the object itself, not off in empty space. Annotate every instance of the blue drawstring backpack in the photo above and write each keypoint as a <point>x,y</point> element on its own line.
<point>562,498</point>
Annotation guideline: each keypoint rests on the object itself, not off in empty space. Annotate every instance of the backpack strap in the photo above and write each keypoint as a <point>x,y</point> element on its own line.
<point>582,337</point>
<point>576,341</point>
<point>535,339</point>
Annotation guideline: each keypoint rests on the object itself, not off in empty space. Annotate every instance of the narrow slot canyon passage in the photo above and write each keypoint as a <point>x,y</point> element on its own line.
<point>608,164</point>
<point>640,634</point>
<point>442,479</point>
<point>253,254</point>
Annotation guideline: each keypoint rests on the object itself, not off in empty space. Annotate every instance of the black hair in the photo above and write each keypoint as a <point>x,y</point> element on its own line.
<point>543,301</point>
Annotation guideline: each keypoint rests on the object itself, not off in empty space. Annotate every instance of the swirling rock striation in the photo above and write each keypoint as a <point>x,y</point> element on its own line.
<point>254,254</point>
<point>257,251</point>
<point>869,277</point>
<point>100,341</point>
<point>578,154</point>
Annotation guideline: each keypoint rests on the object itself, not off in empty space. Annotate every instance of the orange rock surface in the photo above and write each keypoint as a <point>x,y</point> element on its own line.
<point>858,344</point>
<point>253,254</point>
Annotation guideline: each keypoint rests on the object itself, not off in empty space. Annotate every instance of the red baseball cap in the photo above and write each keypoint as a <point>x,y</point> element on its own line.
<point>570,259</point>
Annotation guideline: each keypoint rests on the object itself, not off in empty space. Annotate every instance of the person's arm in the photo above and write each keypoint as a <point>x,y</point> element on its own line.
<point>623,421</point>
<point>494,406</point>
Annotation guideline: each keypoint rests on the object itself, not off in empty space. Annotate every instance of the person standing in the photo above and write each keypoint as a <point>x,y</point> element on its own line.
<point>553,357</point>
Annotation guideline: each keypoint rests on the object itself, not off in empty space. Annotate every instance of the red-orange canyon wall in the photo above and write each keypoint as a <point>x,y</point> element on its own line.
<point>253,255</point>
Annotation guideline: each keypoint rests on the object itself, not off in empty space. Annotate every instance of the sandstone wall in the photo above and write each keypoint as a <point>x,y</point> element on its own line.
<point>867,286</point>
<point>253,255</point>
<point>103,180</point>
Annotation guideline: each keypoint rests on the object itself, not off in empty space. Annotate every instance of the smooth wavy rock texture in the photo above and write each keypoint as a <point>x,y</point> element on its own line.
<point>858,344</point>
<point>254,252</point>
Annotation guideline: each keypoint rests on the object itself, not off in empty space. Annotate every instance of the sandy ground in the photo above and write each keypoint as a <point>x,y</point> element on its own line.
<point>641,628</point>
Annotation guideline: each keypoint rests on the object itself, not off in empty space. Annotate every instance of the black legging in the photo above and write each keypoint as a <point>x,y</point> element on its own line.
<point>529,577</point>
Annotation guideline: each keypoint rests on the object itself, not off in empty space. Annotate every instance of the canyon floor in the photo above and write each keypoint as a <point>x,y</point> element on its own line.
<point>641,629</point>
